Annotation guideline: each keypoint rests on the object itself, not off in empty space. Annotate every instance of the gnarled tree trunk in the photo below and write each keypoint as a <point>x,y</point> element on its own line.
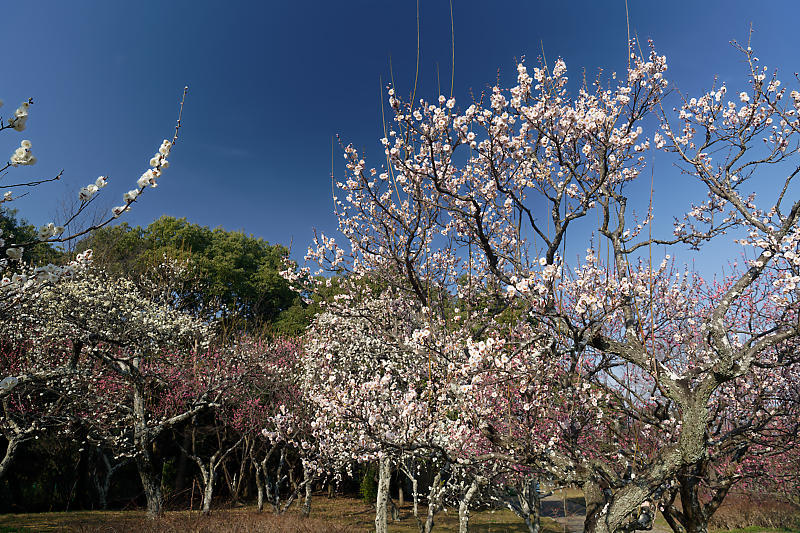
<point>463,505</point>
<point>145,462</point>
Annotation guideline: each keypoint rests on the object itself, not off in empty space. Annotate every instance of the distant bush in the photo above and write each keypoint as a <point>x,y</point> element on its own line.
<point>369,486</point>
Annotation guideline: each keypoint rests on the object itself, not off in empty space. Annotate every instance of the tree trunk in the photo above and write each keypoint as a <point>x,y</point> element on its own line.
<point>626,509</point>
<point>695,514</point>
<point>241,476</point>
<point>145,464</point>
<point>595,500</point>
<point>381,503</point>
<point>8,458</point>
<point>415,495</point>
<point>150,482</point>
<point>527,504</point>
<point>696,520</point>
<point>309,485</point>
<point>274,489</point>
<point>394,510</point>
<point>463,505</point>
<point>208,492</point>
<point>435,499</point>
<point>259,485</point>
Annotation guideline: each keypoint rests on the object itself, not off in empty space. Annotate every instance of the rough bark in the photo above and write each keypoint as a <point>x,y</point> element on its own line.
<point>208,496</point>
<point>435,502</point>
<point>259,484</point>
<point>463,505</point>
<point>625,509</point>
<point>382,500</point>
<point>527,504</point>
<point>151,481</point>
<point>594,498</point>
<point>694,514</point>
<point>407,469</point>
<point>11,451</point>
<point>145,464</point>
<point>308,480</point>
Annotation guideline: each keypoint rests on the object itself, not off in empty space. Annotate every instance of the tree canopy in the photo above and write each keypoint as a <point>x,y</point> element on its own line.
<point>235,275</point>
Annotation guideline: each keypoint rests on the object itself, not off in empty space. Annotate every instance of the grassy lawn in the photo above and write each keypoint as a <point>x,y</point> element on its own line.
<point>754,529</point>
<point>336,515</point>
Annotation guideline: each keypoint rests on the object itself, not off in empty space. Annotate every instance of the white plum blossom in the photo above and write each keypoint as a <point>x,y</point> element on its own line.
<point>22,156</point>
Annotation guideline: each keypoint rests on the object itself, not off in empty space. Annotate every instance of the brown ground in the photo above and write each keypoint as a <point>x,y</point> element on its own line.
<point>338,515</point>
<point>346,515</point>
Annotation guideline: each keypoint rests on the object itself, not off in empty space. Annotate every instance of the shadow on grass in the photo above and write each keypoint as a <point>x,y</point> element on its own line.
<point>339,515</point>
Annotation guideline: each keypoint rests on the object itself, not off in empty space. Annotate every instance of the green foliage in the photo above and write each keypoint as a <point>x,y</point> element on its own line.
<point>19,231</point>
<point>169,473</point>
<point>368,490</point>
<point>237,275</point>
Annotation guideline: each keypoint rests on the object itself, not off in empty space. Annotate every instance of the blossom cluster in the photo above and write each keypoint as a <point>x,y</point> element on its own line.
<point>22,155</point>
<point>158,163</point>
<point>20,118</point>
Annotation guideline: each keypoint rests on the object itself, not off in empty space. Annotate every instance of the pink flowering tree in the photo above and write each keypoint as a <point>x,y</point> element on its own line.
<point>753,428</point>
<point>472,211</point>
<point>271,410</point>
<point>33,408</point>
<point>144,359</point>
<point>382,394</point>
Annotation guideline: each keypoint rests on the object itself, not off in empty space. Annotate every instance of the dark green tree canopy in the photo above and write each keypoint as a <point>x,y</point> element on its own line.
<point>18,230</point>
<point>235,275</point>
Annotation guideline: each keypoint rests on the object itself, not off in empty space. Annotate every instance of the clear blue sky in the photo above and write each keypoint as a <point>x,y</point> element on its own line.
<point>272,81</point>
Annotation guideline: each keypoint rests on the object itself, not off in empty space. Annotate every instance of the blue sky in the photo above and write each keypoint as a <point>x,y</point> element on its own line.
<point>271,82</point>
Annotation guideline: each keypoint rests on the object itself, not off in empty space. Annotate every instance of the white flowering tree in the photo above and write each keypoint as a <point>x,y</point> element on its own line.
<point>381,395</point>
<point>28,370</point>
<point>20,278</point>
<point>475,205</point>
<point>137,361</point>
<point>33,408</point>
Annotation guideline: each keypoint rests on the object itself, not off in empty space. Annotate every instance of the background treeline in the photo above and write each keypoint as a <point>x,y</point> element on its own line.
<point>232,282</point>
<point>236,276</point>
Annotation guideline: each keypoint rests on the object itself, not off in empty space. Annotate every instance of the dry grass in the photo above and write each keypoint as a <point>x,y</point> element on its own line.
<point>746,511</point>
<point>741,513</point>
<point>338,515</point>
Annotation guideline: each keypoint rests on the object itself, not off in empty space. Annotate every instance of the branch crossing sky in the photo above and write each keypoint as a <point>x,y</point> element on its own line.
<point>271,82</point>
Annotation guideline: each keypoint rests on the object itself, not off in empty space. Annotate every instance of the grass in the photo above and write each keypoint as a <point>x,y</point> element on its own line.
<point>349,515</point>
<point>755,529</point>
<point>339,515</point>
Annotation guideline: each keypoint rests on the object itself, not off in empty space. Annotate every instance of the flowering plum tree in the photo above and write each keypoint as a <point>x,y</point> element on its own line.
<point>381,395</point>
<point>270,409</point>
<point>26,278</point>
<point>35,370</point>
<point>474,207</point>
<point>30,408</point>
<point>753,433</point>
<point>140,357</point>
